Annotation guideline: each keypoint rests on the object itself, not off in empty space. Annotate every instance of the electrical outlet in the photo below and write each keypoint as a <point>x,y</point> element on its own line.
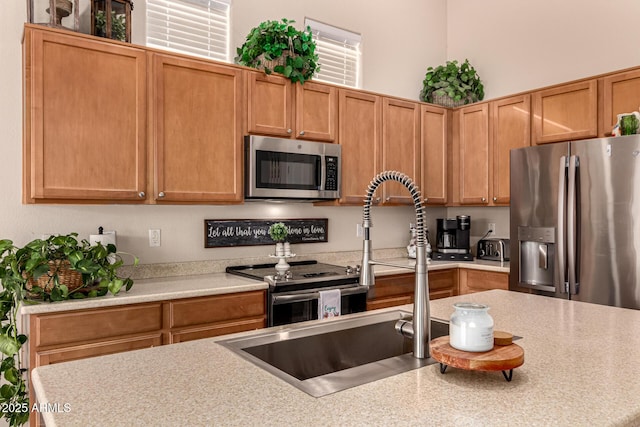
<point>492,228</point>
<point>358,230</point>
<point>154,237</point>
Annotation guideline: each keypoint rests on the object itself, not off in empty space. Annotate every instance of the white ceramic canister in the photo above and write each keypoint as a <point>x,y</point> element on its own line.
<point>471,327</point>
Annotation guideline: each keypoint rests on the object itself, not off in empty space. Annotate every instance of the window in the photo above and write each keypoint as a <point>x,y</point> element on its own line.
<point>195,27</point>
<point>338,53</point>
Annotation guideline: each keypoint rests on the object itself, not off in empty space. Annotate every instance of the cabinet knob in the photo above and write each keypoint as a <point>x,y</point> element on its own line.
<point>161,194</point>
<point>141,194</point>
<point>484,200</point>
<point>377,199</point>
<point>387,199</point>
<point>495,199</point>
<point>426,199</point>
<point>301,132</point>
<point>289,131</point>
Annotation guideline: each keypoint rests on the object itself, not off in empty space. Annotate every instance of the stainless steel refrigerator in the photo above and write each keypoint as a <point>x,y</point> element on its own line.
<point>575,220</point>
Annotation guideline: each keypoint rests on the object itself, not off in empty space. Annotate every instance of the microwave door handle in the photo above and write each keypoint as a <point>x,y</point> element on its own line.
<point>322,172</point>
<point>571,226</point>
<point>561,255</point>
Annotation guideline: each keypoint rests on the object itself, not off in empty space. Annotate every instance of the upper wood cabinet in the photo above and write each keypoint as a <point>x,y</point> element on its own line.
<point>565,112</point>
<point>280,108</point>
<point>473,152</point>
<point>400,147</point>
<point>84,119</point>
<point>360,136</point>
<point>434,154</point>
<point>270,106</point>
<point>197,130</point>
<point>316,111</point>
<point>509,127</point>
<point>620,94</point>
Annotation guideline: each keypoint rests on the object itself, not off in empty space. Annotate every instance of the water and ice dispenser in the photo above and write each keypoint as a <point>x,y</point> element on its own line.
<point>537,257</point>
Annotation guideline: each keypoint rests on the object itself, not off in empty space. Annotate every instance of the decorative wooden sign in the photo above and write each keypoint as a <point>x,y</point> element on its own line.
<point>253,232</point>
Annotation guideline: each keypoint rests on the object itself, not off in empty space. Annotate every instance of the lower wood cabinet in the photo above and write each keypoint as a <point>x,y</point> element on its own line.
<point>471,281</point>
<point>79,334</point>
<point>206,317</point>
<point>398,289</point>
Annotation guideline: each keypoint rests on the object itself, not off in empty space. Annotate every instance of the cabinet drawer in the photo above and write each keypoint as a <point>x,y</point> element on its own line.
<point>191,312</point>
<point>91,325</point>
<point>389,302</point>
<point>48,357</point>
<point>395,285</point>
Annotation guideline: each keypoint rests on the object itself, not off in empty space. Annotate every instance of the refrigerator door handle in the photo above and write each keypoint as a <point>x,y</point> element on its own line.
<point>571,226</point>
<point>561,255</point>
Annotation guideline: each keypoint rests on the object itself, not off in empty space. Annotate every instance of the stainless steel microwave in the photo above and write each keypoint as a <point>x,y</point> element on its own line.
<point>281,169</point>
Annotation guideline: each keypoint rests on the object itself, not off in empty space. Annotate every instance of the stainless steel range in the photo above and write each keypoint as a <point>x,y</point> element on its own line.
<point>294,297</point>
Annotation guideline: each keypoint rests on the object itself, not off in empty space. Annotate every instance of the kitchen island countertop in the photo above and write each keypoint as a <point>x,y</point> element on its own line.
<point>580,369</point>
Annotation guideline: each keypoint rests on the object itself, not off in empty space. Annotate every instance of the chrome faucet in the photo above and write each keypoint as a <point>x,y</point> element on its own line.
<point>419,327</point>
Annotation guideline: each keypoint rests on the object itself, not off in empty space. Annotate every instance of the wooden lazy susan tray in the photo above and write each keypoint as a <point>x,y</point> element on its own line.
<point>501,358</point>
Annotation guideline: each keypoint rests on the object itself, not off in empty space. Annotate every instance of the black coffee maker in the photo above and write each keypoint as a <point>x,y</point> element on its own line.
<point>452,239</point>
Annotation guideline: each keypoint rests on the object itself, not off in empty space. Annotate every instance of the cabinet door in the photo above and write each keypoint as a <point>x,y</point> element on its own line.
<point>98,348</point>
<point>565,112</point>
<point>400,147</point>
<point>316,111</point>
<point>621,94</point>
<point>434,154</point>
<point>474,154</point>
<point>270,104</point>
<point>478,280</point>
<point>85,119</point>
<point>197,131</point>
<point>510,128</point>
<point>443,283</point>
<point>361,138</point>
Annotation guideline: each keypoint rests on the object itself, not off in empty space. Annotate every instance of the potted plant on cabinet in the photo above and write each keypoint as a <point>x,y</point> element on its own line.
<point>53,269</point>
<point>452,85</point>
<point>277,46</point>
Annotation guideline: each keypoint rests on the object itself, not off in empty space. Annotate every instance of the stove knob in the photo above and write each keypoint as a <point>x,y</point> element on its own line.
<point>349,269</point>
<point>358,269</point>
<point>288,274</point>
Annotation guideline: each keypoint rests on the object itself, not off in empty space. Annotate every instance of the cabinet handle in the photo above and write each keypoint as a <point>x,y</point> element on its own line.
<point>495,199</point>
<point>301,132</point>
<point>289,131</point>
<point>141,194</point>
<point>161,194</point>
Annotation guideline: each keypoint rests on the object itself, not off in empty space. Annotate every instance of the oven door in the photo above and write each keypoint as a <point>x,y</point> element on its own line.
<point>300,306</point>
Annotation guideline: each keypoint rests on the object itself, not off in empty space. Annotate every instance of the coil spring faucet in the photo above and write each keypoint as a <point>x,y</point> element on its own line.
<point>419,327</point>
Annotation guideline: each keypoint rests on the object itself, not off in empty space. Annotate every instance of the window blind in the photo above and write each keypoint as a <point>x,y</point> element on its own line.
<point>196,27</point>
<point>338,53</point>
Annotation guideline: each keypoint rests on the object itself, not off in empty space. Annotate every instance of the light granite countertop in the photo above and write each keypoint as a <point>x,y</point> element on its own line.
<point>580,369</point>
<point>188,286</point>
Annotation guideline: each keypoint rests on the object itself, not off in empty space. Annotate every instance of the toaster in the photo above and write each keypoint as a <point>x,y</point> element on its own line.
<point>493,249</point>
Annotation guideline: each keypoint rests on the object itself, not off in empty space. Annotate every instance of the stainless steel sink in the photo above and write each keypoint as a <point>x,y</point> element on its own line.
<point>321,358</point>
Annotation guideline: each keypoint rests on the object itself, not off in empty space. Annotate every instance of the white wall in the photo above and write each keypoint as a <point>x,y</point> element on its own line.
<point>398,46</point>
<point>520,45</point>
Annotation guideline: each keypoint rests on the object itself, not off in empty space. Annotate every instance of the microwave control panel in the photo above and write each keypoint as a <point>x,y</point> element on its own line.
<point>331,180</point>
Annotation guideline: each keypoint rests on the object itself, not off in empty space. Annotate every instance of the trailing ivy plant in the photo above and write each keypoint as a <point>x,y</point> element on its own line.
<point>14,397</point>
<point>461,83</point>
<point>98,266</point>
<point>271,40</point>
